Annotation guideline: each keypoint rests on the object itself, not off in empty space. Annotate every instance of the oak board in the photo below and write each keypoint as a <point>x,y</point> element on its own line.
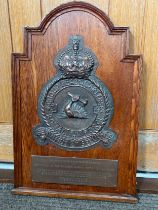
<point>117,69</point>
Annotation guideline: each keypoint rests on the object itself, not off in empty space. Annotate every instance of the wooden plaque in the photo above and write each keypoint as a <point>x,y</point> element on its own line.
<point>75,108</point>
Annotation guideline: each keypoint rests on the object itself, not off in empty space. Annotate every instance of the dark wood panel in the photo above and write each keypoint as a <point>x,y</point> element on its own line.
<point>147,143</point>
<point>115,197</point>
<point>117,70</point>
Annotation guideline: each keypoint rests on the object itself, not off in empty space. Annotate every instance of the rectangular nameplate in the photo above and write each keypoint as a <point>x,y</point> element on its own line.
<point>75,171</point>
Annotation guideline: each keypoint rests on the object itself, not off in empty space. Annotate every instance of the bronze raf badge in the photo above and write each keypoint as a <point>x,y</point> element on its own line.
<point>75,107</point>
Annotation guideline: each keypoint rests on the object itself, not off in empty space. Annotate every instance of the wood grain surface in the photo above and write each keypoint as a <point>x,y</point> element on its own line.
<point>118,70</point>
<point>5,65</point>
<point>76,195</point>
<point>48,5</point>
<point>140,16</point>
<point>147,151</point>
<point>6,139</point>
<point>130,13</point>
<point>22,13</point>
<point>147,147</point>
<point>149,98</point>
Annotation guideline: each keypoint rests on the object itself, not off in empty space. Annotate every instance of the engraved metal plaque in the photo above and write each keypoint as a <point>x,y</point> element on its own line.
<point>75,107</point>
<point>75,171</point>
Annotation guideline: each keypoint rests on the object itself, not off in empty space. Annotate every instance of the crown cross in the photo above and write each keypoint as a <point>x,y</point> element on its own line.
<point>75,60</point>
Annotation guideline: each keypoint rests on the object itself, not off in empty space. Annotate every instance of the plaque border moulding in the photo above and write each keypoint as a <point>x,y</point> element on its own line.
<point>26,55</point>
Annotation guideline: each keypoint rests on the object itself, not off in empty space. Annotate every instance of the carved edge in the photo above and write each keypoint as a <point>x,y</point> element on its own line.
<point>134,125</point>
<point>16,104</point>
<point>76,6</point>
<point>75,195</point>
<point>26,55</point>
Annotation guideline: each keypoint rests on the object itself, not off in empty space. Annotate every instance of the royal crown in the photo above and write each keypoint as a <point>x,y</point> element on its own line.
<point>75,60</point>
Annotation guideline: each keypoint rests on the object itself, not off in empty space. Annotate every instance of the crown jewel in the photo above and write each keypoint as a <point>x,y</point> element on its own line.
<point>75,60</point>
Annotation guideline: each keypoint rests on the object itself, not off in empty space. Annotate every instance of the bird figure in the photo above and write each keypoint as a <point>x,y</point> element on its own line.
<point>75,107</point>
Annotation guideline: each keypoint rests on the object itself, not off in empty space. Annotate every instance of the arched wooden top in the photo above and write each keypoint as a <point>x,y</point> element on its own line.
<point>118,70</point>
<point>85,7</point>
<point>78,6</point>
